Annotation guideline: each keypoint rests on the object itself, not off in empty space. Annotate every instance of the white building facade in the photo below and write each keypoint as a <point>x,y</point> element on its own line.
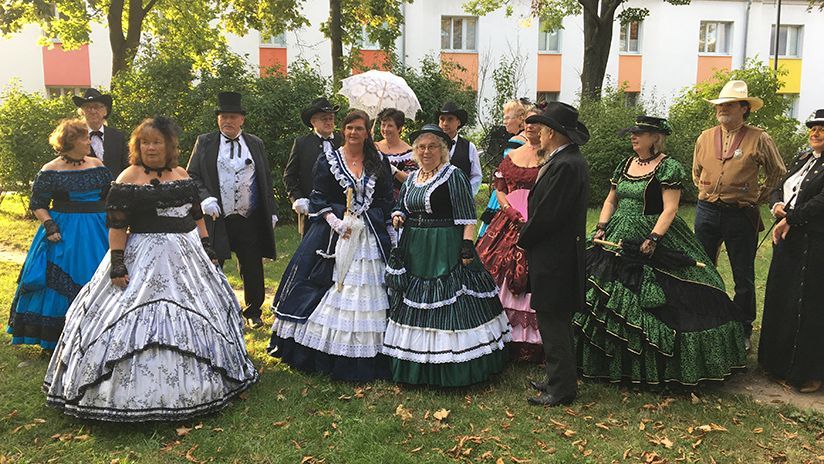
<point>673,48</point>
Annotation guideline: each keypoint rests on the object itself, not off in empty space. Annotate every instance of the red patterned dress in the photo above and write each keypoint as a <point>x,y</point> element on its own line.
<point>507,263</point>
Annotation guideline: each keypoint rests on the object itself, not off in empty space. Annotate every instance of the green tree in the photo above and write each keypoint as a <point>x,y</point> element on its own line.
<point>599,19</point>
<point>195,28</point>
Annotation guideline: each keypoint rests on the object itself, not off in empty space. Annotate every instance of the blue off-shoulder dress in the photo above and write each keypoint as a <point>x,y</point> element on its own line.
<point>54,272</point>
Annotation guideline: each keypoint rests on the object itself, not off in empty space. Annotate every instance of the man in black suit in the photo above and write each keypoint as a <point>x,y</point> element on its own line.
<point>320,116</point>
<point>108,144</point>
<point>232,172</point>
<point>553,238</point>
<point>462,152</point>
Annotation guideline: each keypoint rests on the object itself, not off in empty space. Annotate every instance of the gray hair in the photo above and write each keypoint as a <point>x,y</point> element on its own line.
<point>441,142</point>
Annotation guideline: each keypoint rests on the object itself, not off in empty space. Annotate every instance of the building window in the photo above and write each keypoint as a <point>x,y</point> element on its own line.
<point>458,33</point>
<point>630,37</point>
<point>548,41</point>
<point>789,41</point>
<point>714,37</point>
<point>273,41</point>
<point>546,96</point>
<point>792,107</point>
<point>57,92</point>
<point>367,44</point>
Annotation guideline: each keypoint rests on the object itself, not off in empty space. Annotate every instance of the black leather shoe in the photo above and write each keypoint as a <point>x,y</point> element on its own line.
<point>546,399</point>
<point>254,322</point>
<point>540,386</point>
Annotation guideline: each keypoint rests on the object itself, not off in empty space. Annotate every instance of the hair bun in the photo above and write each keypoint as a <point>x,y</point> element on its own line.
<point>166,125</point>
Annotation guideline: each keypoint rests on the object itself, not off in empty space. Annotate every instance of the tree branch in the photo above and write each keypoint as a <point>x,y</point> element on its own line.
<point>148,7</point>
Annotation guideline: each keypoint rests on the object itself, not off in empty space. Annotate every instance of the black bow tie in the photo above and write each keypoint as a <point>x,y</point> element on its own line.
<point>232,147</point>
<point>96,134</point>
<point>451,143</point>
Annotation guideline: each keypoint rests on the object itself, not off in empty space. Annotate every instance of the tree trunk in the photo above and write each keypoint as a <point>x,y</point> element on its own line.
<point>124,48</point>
<point>598,23</point>
<point>336,37</point>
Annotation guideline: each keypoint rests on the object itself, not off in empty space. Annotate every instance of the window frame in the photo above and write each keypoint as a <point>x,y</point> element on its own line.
<point>464,29</point>
<point>59,91</point>
<point>727,42</point>
<point>623,45</point>
<point>799,40</point>
<point>559,40</point>
<point>271,43</point>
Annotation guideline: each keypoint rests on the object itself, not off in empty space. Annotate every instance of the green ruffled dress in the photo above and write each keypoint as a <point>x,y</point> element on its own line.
<point>446,324</point>
<point>642,322</point>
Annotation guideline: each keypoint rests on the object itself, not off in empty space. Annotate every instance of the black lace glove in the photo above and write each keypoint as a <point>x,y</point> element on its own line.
<point>51,227</point>
<point>207,247</point>
<point>649,245</point>
<point>118,266</point>
<point>467,249</point>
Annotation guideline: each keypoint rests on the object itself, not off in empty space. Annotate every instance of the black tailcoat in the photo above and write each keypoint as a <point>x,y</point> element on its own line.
<point>115,150</point>
<point>203,169</point>
<point>553,237</point>
<point>302,158</point>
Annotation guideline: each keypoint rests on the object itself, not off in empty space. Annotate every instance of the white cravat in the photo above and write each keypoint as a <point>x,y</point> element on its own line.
<point>97,142</point>
<point>236,175</point>
<point>793,182</point>
<point>327,142</point>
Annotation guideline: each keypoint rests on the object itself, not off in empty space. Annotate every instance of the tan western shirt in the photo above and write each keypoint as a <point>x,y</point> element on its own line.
<point>736,180</point>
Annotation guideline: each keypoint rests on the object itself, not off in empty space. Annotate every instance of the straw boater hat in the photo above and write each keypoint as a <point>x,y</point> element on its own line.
<point>817,120</point>
<point>737,91</point>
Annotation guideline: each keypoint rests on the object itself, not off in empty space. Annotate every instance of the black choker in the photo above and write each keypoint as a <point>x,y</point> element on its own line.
<point>646,161</point>
<point>73,161</point>
<point>158,171</point>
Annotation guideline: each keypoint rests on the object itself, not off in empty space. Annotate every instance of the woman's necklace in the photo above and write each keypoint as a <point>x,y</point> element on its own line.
<point>159,171</point>
<point>426,175</point>
<point>645,161</point>
<point>72,161</point>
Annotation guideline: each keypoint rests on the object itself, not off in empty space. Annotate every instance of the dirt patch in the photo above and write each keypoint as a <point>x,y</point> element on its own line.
<point>764,390</point>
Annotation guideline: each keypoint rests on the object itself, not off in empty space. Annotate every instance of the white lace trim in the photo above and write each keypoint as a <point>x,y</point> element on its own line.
<point>463,222</point>
<point>436,181</point>
<point>174,211</point>
<point>396,158</point>
<point>356,350</point>
<point>351,324</point>
<point>321,212</point>
<point>449,301</point>
<point>346,180</point>
<point>393,271</point>
<point>366,298</point>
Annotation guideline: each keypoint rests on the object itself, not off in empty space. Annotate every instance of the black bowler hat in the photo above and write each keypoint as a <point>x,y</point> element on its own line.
<point>93,95</point>
<point>564,119</point>
<point>430,129</point>
<point>319,105</point>
<point>817,120</point>
<point>229,102</point>
<point>648,124</point>
<point>452,108</point>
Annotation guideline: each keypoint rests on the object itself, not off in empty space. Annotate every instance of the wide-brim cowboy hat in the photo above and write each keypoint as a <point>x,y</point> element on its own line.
<point>452,108</point>
<point>734,91</point>
<point>564,119</point>
<point>319,105</point>
<point>648,124</point>
<point>817,119</point>
<point>93,95</point>
<point>229,102</point>
<point>430,129</point>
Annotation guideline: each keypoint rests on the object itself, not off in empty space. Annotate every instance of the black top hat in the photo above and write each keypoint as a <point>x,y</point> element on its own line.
<point>93,95</point>
<point>452,108</point>
<point>319,105</point>
<point>817,120</point>
<point>229,102</point>
<point>430,129</point>
<point>648,124</point>
<point>564,119</point>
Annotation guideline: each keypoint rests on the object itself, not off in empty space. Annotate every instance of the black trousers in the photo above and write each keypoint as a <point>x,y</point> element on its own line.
<point>556,332</point>
<point>244,240</point>
<point>738,230</point>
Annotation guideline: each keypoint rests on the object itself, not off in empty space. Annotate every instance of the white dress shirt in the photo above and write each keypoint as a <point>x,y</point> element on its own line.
<point>793,183</point>
<point>327,144</point>
<point>238,191</point>
<point>97,142</point>
<point>475,173</point>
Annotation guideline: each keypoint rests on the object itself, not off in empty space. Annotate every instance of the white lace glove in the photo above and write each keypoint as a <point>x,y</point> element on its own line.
<point>274,220</point>
<point>393,235</point>
<point>336,224</point>
<point>301,206</point>
<point>210,207</point>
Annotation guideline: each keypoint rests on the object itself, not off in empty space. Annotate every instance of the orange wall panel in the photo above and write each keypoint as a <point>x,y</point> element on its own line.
<point>371,59</point>
<point>272,58</point>
<point>469,61</point>
<point>549,72</point>
<point>708,65</point>
<point>629,72</point>
<point>69,68</point>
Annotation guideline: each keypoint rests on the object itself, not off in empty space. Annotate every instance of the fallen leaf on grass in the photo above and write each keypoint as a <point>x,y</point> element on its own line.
<point>81,437</point>
<point>518,461</point>
<point>183,431</point>
<point>244,395</point>
<point>694,399</point>
<point>569,433</point>
<point>697,443</point>
<point>416,449</point>
<point>170,446</point>
<point>191,458</point>
<point>199,426</point>
<point>758,430</point>
<point>403,413</point>
<point>509,414</point>
<point>217,429</point>
<point>626,453</point>
<point>344,397</point>
<point>500,461</point>
<point>441,414</point>
<point>601,426</point>
<point>280,424</point>
<point>663,441</point>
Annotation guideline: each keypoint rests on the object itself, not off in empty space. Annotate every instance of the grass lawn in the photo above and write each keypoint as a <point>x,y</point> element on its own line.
<point>291,417</point>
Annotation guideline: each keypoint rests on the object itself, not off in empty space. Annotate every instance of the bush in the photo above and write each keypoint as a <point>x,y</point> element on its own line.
<point>24,138</point>
<point>690,114</point>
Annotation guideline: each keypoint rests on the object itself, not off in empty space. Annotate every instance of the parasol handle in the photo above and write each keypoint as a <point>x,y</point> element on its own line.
<point>620,245</point>
<point>348,200</point>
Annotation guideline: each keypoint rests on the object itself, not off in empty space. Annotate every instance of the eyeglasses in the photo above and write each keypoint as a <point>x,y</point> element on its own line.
<point>817,130</point>
<point>423,148</point>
